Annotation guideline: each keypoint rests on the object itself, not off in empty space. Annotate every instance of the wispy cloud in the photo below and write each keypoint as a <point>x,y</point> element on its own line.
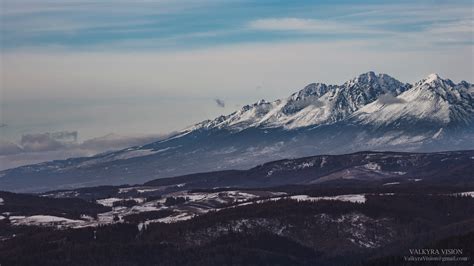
<point>9,148</point>
<point>412,26</point>
<point>220,102</point>
<point>47,141</point>
<point>41,147</point>
<point>81,24</point>
<point>304,25</point>
<point>388,99</point>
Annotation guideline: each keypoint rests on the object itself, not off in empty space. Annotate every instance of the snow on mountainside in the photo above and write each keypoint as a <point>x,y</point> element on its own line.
<point>439,101</point>
<point>377,99</point>
<point>316,104</point>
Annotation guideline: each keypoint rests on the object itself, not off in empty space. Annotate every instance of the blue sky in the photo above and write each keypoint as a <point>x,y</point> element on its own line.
<point>161,25</point>
<point>143,67</point>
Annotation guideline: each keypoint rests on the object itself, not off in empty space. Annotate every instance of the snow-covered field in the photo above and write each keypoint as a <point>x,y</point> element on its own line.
<point>45,220</point>
<point>355,198</point>
<point>195,203</point>
<point>109,202</point>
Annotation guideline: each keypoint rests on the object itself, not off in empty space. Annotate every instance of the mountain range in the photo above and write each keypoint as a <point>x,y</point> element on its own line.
<point>369,112</point>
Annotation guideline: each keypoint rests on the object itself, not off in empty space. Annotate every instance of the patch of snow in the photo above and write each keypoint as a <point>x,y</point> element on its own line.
<point>137,153</point>
<point>399,172</point>
<point>126,189</point>
<point>438,133</point>
<point>138,200</point>
<point>87,217</point>
<point>144,190</point>
<point>1,201</point>
<point>372,166</point>
<point>323,162</point>
<point>44,220</point>
<point>173,219</point>
<point>305,165</point>
<point>278,193</point>
<point>62,194</point>
<point>109,202</point>
<point>392,183</point>
<point>221,197</point>
<point>140,189</point>
<point>355,198</point>
<point>143,208</point>
<point>141,226</point>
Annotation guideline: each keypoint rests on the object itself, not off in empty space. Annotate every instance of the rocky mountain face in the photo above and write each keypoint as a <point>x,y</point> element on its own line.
<point>369,112</point>
<point>432,100</point>
<point>316,104</point>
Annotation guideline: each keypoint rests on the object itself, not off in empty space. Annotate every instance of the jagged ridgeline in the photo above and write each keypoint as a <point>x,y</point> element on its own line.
<point>369,112</point>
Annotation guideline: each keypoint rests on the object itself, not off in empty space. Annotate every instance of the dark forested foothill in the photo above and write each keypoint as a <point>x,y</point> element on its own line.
<point>26,204</point>
<point>175,200</point>
<point>283,232</point>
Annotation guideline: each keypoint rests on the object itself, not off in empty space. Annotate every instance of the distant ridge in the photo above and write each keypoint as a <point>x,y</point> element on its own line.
<point>369,112</point>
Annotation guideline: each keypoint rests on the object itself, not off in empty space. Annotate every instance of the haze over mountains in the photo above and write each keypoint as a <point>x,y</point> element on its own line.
<point>369,112</point>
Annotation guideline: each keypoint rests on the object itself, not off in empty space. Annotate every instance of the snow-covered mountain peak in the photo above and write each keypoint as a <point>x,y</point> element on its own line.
<point>313,89</point>
<point>432,77</point>
<point>377,83</point>
<point>435,86</point>
<point>434,100</point>
<point>364,78</point>
<point>262,101</point>
<point>373,98</point>
<point>436,81</point>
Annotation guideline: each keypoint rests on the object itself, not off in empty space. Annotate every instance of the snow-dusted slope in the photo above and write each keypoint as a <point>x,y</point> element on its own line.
<point>316,104</point>
<point>433,99</point>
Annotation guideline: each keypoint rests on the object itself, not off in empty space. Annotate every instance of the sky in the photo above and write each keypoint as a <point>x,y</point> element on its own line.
<point>146,68</point>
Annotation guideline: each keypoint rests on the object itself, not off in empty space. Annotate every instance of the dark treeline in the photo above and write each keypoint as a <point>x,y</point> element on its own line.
<point>146,216</point>
<point>170,201</point>
<point>359,187</point>
<point>125,203</point>
<point>26,204</point>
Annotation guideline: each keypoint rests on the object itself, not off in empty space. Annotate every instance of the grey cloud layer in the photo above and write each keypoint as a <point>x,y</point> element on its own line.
<point>389,99</point>
<point>47,141</point>
<point>36,148</point>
